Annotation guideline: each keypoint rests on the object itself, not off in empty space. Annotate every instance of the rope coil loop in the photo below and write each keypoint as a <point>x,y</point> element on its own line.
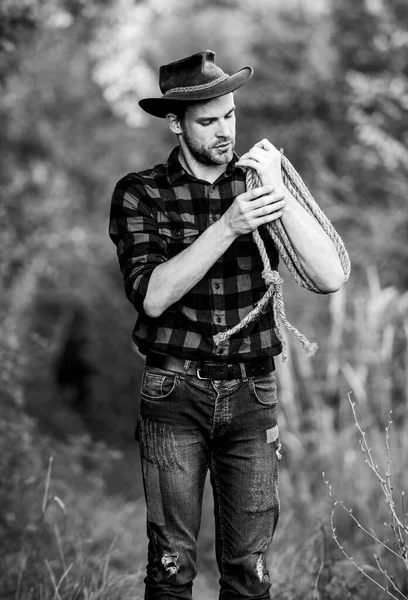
<point>272,279</point>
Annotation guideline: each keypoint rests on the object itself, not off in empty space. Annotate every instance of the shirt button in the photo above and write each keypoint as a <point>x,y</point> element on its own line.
<point>214,217</point>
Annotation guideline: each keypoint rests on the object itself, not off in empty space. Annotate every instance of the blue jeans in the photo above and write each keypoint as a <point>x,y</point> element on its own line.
<point>188,425</point>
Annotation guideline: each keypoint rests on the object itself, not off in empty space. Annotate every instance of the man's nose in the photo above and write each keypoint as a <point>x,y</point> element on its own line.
<point>223,130</point>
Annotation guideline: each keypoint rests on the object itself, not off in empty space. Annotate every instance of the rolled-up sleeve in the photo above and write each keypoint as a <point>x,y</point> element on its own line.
<point>133,229</point>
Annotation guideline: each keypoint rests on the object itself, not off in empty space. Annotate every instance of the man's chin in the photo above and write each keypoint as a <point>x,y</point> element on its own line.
<point>220,158</point>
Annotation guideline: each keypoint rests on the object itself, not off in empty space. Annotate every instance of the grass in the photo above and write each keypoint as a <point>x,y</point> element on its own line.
<point>64,538</point>
<point>70,534</point>
<point>396,548</point>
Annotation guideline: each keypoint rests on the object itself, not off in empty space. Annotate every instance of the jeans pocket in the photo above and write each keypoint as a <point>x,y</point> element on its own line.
<point>263,389</point>
<point>157,384</point>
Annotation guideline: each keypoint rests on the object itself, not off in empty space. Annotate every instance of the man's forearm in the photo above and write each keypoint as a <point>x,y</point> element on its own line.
<point>315,250</point>
<point>172,279</point>
<point>313,247</point>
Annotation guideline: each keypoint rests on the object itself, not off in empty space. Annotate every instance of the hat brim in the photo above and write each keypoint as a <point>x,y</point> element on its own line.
<point>160,107</point>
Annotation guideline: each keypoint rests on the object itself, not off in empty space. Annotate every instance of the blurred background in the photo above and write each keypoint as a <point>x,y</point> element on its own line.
<point>331,89</point>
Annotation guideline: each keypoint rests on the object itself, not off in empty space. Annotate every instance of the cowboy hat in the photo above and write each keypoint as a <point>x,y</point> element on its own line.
<point>191,79</point>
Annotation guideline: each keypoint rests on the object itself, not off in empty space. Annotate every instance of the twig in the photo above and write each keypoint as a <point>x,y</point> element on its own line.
<point>398,527</point>
<point>388,577</point>
<point>368,458</point>
<point>53,581</point>
<point>20,575</point>
<point>107,561</point>
<point>78,590</point>
<point>353,562</point>
<point>316,591</point>
<point>388,445</point>
<point>59,545</point>
<point>63,576</point>
<point>52,577</point>
<point>371,535</point>
<point>47,486</point>
<point>322,561</point>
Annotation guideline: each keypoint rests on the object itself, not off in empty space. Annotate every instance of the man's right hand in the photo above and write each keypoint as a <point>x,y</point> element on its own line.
<point>172,279</point>
<point>252,209</point>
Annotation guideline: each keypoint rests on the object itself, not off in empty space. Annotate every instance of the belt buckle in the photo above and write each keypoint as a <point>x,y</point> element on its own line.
<point>198,369</point>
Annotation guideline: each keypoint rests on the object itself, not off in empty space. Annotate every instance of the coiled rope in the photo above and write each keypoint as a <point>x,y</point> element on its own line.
<point>272,279</point>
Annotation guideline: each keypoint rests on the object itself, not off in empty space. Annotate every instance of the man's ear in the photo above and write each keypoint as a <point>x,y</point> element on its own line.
<point>173,122</point>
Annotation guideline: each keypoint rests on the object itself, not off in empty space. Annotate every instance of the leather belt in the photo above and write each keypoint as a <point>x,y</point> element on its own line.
<point>211,370</point>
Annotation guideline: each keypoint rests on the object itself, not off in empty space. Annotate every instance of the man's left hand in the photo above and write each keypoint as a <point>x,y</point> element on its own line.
<point>265,159</point>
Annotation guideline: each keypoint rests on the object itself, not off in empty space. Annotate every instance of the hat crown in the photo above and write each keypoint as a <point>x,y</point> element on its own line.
<point>195,70</point>
<point>192,79</point>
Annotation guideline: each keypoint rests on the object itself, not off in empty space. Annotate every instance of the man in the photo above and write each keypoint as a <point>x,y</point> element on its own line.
<point>191,269</point>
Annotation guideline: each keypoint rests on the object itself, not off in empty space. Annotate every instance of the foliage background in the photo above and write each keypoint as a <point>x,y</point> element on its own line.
<point>331,88</point>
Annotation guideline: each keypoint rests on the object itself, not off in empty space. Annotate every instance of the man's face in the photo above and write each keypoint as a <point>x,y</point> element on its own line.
<point>208,130</point>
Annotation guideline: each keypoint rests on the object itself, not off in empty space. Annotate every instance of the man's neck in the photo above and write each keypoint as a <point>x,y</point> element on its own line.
<point>208,173</point>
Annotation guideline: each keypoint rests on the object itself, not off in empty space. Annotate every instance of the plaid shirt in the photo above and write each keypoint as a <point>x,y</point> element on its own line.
<point>157,213</point>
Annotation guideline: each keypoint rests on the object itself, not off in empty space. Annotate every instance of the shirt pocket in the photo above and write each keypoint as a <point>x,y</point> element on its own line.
<point>178,237</point>
<point>250,263</point>
<point>245,263</point>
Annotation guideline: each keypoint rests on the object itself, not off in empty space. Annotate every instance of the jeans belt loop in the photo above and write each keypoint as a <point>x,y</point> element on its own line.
<point>243,372</point>
<point>186,366</point>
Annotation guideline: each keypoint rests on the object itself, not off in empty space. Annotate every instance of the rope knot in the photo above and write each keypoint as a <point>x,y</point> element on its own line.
<point>271,277</point>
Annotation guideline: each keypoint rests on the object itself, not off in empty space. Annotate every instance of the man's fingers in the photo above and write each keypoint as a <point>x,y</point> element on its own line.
<point>256,207</point>
<point>262,196</point>
<point>267,199</point>
<point>268,218</point>
<point>251,163</point>
<point>251,195</point>
<point>256,154</point>
<point>268,209</point>
<point>265,144</point>
<point>247,160</point>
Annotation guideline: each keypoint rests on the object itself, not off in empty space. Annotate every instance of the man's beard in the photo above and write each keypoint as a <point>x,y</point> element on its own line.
<point>210,156</point>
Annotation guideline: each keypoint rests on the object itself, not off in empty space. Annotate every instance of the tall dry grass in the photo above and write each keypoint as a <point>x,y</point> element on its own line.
<point>97,549</point>
<point>365,354</point>
<point>63,536</point>
<point>395,548</point>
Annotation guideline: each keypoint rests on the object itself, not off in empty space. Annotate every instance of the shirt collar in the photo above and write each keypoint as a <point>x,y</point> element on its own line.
<point>174,169</point>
